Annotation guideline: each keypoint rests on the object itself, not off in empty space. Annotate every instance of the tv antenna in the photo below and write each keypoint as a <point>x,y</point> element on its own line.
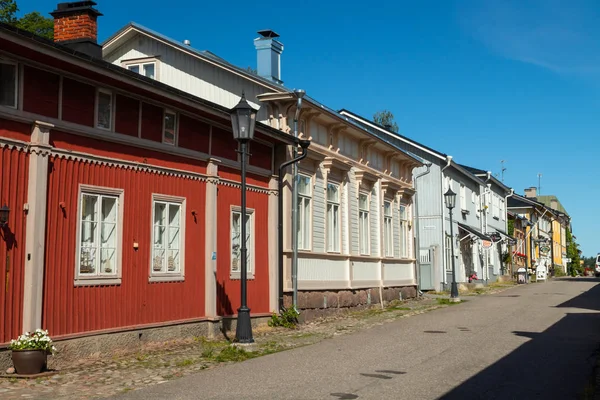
<point>539,184</point>
<point>503,169</point>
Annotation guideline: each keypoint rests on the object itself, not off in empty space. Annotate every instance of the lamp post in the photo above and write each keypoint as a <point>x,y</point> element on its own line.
<point>450,199</point>
<point>243,118</point>
<point>4,211</point>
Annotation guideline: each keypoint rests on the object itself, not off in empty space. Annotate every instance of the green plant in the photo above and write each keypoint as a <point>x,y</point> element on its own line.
<point>558,270</point>
<point>38,340</point>
<point>232,353</point>
<point>184,363</point>
<point>287,319</point>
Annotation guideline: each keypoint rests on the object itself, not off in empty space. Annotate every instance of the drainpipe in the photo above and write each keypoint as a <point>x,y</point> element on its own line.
<point>512,191</point>
<point>299,95</point>
<point>448,163</point>
<point>304,145</point>
<point>416,224</point>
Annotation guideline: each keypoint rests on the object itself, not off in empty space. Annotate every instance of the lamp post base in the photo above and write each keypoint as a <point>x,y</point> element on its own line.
<point>454,296</point>
<point>243,330</point>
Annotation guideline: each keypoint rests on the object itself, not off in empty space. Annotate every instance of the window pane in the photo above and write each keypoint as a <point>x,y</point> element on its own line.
<point>158,259</point>
<point>149,70</point>
<point>387,209</point>
<point>169,133</point>
<point>403,212</point>
<point>108,260</point>
<point>160,214</point>
<point>109,209</point>
<point>8,77</point>
<point>134,68</point>
<point>87,260</point>
<point>88,207</point>
<point>104,110</point>
<point>174,215</point>
<point>304,185</point>
<point>332,192</point>
<point>363,202</point>
<point>235,241</point>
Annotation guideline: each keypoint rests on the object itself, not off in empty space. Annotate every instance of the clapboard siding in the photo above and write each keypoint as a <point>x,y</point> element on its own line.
<point>374,214</point>
<point>396,228</point>
<point>319,213</point>
<point>353,211</point>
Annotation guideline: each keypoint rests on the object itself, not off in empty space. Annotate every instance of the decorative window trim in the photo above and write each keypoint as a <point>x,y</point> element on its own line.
<point>112,109</point>
<point>143,61</point>
<point>388,248</point>
<point>17,82</point>
<point>404,231</point>
<point>83,280</point>
<point>175,128</point>
<point>337,248</point>
<point>168,276</point>
<point>309,228</point>
<point>251,248</point>
<point>367,211</point>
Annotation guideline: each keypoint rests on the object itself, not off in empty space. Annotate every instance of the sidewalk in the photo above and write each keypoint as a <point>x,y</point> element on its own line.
<point>97,378</point>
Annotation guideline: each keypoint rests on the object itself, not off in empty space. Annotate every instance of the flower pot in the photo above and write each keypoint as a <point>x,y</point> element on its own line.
<point>29,362</point>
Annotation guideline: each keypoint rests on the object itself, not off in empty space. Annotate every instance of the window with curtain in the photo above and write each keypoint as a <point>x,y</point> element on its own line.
<point>167,237</point>
<point>236,242</point>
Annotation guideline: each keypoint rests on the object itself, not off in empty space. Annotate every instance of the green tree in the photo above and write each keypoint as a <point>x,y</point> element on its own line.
<point>573,254</point>
<point>385,118</point>
<point>33,22</point>
<point>8,11</point>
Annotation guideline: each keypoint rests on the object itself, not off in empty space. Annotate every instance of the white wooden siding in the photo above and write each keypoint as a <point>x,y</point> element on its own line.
<point>318,243</point>
<point>353,212</point>
<point>344,215</point>
<point>396,228</point>
<point>374,220</point>
<point>319,269</point>
<point>398,272</point>
<point>366,271</point>
<point>190,74</point>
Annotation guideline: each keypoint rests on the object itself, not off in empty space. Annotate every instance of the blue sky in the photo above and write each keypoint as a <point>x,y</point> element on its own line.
<point>482,80</point>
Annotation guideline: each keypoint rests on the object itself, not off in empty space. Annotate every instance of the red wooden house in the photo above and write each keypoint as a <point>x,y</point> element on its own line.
<point>123,193</point>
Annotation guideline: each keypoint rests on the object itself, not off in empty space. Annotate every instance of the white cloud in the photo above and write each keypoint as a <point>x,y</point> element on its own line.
<point>557,35</point>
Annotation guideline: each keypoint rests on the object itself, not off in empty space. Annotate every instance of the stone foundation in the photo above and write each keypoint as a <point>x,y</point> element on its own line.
<point>106,345</point>
<point>316,304</point>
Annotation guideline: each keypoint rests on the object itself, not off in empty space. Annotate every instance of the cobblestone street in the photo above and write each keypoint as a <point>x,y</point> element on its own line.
<point>100,378</point>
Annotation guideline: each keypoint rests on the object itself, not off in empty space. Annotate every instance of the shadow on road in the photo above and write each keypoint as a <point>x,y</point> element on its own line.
<point>554,364</point>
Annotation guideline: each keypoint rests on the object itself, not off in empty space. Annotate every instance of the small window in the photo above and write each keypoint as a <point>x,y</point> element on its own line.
<point>333,218</point>
<point>99,226</point>
<point>388,239</point>
<point>167,237</point>
<point>404,241</point>
<point>104,108</point>
<point>236,243</point>
<point>363,223</point>
<point>304,214</point>
<point>170,128</point>
<point>146,69</point>
<point>8,84</point>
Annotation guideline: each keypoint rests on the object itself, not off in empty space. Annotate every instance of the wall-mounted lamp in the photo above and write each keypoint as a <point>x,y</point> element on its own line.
<point>4,211</point>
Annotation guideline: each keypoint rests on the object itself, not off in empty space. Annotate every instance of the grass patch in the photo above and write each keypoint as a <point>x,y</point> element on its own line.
<point>185,363</point>
<point>442,293</point>
<point>233,353</point>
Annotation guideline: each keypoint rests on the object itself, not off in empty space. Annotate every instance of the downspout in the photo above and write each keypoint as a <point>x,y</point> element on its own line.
<point>512,191</point>
<point>299,95</point>
<point>448,163</point>
<point>304,145</point>
<point>416,224</point>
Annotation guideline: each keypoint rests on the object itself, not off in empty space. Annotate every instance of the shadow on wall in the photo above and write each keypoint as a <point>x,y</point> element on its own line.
<point>554,364</point>
<point>224,308</point>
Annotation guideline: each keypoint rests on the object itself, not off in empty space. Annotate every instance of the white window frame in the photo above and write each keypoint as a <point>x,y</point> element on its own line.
<point>175,128</point>
<point>472,197</point>
<point>388,229</point>
<point>495,207</point>
<point>157,276</point>
<point>97,109</point>
<point>141,62</point>
<point>98,278</point>
<point>478,205</point>
<point>502,210</point>
<point>333,236</point>
<point>463,197</point>
<point>449,245</point>
<point>304,221</point>
<point>17,76</point>
<point>250,247</point>
<point>364,226</point>
<point>404,237</point>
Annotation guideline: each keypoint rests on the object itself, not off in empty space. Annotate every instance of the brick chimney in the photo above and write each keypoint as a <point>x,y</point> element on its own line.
<point>531,192</point>
<point>75,26</point>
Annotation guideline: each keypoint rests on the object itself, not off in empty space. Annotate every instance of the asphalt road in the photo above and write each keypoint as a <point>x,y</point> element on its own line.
<point>535,341</point>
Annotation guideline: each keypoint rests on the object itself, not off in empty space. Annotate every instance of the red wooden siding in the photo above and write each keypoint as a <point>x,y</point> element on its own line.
<point>152,122</point>
<point>228,290</point>
<point>14,167</point>
<point>69,309</point>
<point>193,134</point>
<point>40,92</point>
<point>127,115</point>
<point>223,144</point>
<point>260,155</point>
<point>252,179</point>
<point>15,130</point>
<point>78,102</point>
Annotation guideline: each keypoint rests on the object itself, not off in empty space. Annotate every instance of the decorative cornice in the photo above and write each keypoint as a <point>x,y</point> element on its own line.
<point>250,188</point>
<point>330,162</point>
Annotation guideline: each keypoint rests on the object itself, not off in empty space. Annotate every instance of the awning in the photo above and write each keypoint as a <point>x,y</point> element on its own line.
<point>509,239</point>
<point>474,231</point>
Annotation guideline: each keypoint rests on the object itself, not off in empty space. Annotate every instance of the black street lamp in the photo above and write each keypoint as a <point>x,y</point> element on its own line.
<point>243,118</point>
<point>450,199</point>
<point>4,211</point>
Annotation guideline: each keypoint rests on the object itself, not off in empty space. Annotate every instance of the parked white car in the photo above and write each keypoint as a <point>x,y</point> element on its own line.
<point>597,267</point>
